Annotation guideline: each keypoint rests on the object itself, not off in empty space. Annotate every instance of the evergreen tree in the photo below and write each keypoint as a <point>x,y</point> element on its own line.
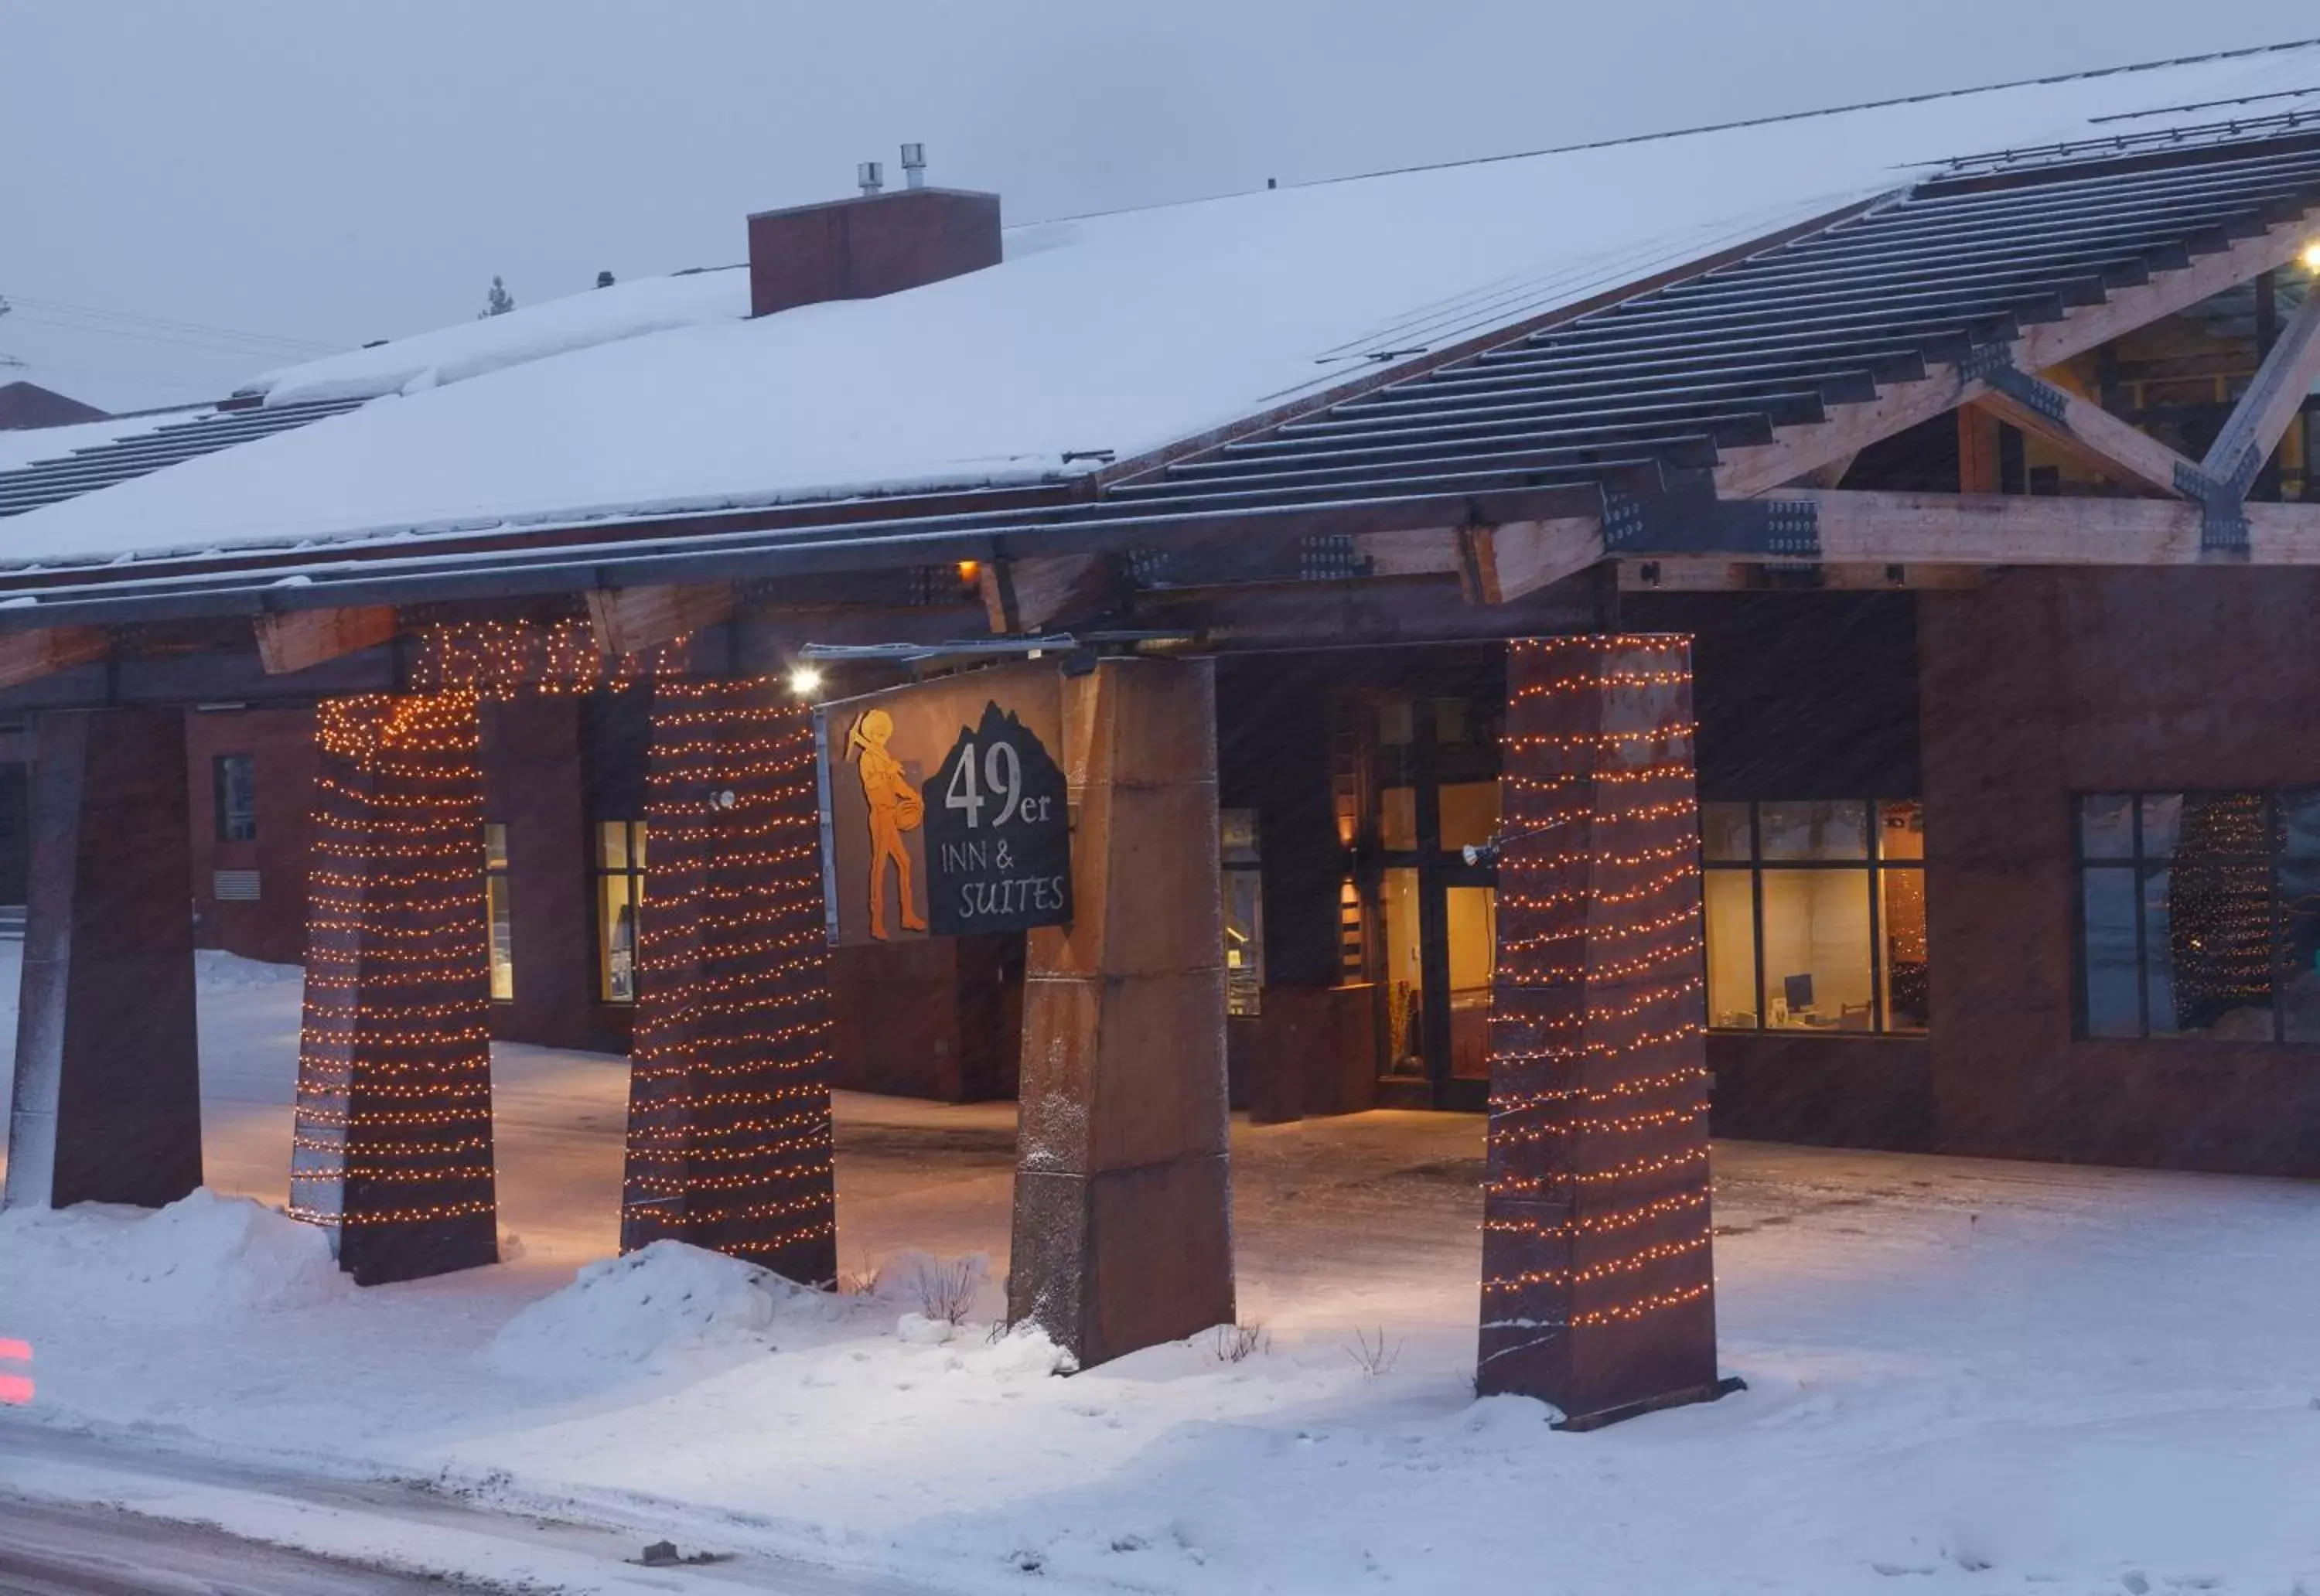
<point>499,303</point>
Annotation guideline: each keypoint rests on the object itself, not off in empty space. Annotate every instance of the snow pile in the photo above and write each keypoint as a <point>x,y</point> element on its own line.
<point>639,1309</point>
<point>201,1259</point>
<point>219,972</point>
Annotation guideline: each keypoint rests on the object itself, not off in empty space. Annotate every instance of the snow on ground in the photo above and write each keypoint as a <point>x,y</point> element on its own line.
<point>1965,1375</point>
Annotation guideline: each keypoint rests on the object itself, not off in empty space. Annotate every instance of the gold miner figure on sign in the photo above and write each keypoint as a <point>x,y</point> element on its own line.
<point>896,807</point>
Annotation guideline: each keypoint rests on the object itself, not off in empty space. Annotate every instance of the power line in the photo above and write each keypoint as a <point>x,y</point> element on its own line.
<point>244,351</point>
<point>97,312</point>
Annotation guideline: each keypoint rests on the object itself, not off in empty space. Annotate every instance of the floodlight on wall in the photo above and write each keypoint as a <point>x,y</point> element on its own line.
<point>806,681</point>
<point>2312,258</point>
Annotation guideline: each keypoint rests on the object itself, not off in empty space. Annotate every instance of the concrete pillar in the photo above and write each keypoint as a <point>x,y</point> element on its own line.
<point>1123,1203</point>
<point>728,1083</point>
<point>393,1147</point>
<point>107,1105</point>
<point>1598,1281</point>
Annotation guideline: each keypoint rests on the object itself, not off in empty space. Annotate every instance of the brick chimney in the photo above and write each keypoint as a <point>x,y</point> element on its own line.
<point>876,244</point>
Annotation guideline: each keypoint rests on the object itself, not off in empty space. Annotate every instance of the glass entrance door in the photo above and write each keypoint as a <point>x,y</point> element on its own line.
<point>1438,794</point>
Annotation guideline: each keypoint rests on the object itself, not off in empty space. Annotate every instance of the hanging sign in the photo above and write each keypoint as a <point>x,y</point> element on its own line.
<point>943,808</point>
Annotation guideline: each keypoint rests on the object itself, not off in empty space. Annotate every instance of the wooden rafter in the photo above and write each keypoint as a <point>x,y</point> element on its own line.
<point>1751,472</point>
<point>1031,594</point>
<point>630,619</point>
<point>28,656</point>
<point>2090,434</point>
<point>298,640</point>
<point>2281,387</point>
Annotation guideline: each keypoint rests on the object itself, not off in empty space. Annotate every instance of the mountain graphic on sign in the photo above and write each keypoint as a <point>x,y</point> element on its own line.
<point>998,831</point>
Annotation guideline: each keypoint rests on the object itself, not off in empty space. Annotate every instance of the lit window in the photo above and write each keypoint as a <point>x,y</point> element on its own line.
<point>2200,915</point>
<point>1815,915</point>
<point>619,899</point>
<point>234,780</point>
<point>1243,898</point>
<point>496,898</point>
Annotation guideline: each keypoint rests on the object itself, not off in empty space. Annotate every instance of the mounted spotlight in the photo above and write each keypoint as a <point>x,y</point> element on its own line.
<point>2312,258</point>
<point>805,680</point>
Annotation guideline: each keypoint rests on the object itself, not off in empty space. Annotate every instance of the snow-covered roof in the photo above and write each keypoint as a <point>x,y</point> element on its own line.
<point>494,343</point>
<point>1123,332</point>
<point>27,445</point>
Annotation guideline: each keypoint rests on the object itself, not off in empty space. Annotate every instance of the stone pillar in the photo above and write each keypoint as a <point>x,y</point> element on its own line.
<point>393,1145</point>
<point>1597,1285</point>
<point>107,1105</point>
<point>1123,1201</point>
<point>728,1081</point>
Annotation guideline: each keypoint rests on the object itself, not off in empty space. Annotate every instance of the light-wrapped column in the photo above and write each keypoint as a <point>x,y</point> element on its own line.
<point>393,1145</point>
<point>1598,1288</point>
<point>728,1083</point>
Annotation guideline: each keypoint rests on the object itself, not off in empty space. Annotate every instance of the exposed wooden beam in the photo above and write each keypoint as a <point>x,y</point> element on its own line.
<point>1980,469</point>
<point>1720,573</point>
<point>2090,434</point>
<point>1424,551</point>
<point>1826,476</point>
<point>2272,401</point>
<point>1910,530</point>
<point>1748,473</point>
<point>1499,564</point>
<point>630,619</point>
<point>1028,595</point>
<point>28,656</point>
<point>296,640</point>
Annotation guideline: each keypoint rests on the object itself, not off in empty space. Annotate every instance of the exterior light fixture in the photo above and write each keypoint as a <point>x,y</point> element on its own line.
<point>969,569</point>
<point>2312,258</point>
<point>806,681</point>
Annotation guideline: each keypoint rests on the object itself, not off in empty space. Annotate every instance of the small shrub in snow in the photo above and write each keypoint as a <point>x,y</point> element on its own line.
<point>859,1282</point>
<point>947,1290</point>
<point>1376,1357</point>
<point>1236,1343</point>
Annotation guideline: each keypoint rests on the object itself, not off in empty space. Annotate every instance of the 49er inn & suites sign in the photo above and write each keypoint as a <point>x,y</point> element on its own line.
<point>944,810</point>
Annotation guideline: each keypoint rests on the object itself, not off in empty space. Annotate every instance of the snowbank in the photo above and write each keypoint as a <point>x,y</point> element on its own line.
<point>202,1259</point>
<point>641,1307</point>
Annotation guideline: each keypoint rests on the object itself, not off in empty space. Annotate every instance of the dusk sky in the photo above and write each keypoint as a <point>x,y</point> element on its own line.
<point>264,179</point>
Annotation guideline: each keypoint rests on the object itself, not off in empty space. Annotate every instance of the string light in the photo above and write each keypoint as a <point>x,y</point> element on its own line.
<point>390,1144</point>
<point>733,1010</point>
<point>503,659</point>
<point>1597,1213</point>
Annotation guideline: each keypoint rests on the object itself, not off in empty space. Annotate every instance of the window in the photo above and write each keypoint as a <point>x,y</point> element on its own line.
<point>2200,915</point>
<point>1815,915</point>
<point>234,778</point>
<point>619,899</point>
<point>1244,897</point>
<point>496,901</point>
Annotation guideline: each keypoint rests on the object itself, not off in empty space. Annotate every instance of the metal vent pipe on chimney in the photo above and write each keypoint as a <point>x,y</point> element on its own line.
<point>872,176</point>
<point>914,166</point>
